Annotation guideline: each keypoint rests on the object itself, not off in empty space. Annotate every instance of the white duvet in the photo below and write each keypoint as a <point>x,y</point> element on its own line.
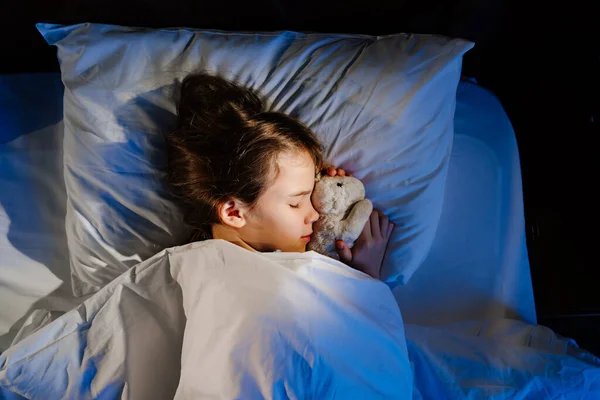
<point>211,320</point>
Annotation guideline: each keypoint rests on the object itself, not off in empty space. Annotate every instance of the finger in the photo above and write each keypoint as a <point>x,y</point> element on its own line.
<point>365,235</point>
<point>390,228</point>
<point>341,172</point>
<point>349,174</point>
<point>343,251</point>
<point>331,171</point>
<point>375,233</point>
<point>383,224</point>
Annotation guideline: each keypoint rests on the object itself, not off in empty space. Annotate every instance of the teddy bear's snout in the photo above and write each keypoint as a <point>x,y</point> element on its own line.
<point>340,184</point>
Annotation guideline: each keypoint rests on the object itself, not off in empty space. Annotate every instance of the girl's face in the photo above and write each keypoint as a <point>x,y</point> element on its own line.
<point>284,215</point>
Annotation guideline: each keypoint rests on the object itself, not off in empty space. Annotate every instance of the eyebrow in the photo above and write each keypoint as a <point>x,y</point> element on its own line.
<point>301,193</point>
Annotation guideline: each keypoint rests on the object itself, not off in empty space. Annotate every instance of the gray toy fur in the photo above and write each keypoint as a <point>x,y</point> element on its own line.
<point>343,213</point>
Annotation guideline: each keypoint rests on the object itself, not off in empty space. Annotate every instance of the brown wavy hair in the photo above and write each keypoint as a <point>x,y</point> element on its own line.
<point>224,147</point>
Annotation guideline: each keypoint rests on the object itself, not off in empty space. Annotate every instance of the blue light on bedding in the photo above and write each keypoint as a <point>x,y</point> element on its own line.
<point>28,102</point>
<point>286,321</point>
<point>34,263</point>
<point>499,359</point>
<point>478,265</point>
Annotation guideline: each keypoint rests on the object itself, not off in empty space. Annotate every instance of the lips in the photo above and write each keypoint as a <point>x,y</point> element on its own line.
<point>307,235</point>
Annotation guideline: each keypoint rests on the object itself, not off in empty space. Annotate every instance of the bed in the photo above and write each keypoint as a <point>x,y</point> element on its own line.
<point>483,212</point>
<point>476,270</point>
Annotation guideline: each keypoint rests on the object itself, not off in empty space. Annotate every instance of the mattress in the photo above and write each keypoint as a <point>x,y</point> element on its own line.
<point>477,267</point>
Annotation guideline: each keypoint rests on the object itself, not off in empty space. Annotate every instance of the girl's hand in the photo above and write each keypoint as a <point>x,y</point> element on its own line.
<point>369,249</point>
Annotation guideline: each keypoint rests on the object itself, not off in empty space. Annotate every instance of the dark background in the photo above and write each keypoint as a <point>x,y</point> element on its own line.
<point>542,61</point>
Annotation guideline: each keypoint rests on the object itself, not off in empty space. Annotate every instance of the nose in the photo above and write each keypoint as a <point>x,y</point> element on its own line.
<point>313,216</point>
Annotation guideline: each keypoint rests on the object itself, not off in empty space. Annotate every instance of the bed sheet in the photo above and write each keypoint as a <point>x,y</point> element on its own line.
<point>34,264</point>
<point>478,265</point>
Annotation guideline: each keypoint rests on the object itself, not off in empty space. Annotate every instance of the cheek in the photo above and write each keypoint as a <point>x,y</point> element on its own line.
<point>291,221</point>
<point>279,220</point>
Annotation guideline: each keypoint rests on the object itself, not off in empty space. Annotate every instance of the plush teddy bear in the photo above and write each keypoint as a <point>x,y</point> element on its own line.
<point>343,212</point>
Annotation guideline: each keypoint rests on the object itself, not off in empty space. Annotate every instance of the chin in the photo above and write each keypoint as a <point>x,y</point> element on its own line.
<point>298,249</point>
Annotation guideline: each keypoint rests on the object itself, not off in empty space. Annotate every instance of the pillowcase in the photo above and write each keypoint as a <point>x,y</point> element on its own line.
<point>383,107</point>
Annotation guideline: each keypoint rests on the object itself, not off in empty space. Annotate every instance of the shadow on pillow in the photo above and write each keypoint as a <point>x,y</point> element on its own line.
<point>123,212</point>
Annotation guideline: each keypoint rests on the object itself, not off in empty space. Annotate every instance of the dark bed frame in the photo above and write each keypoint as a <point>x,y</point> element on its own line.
<point>542,62</point>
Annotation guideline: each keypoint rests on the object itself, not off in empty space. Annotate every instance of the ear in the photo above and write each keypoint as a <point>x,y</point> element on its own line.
<point>233,213</point>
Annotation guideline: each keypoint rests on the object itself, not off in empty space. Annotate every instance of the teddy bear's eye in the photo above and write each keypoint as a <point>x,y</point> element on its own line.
<point>340,184</point>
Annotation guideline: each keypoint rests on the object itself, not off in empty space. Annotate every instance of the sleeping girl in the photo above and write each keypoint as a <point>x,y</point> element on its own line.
<point>245,175</point>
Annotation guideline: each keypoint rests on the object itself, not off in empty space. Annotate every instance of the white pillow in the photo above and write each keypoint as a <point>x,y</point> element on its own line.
<point>383,107</point>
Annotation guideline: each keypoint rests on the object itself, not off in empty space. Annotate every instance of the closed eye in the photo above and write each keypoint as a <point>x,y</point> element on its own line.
<point>295,206</point>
